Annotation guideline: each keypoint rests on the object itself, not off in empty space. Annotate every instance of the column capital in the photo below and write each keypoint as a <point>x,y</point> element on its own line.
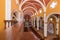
<point>8,10</point>
<point>45,10</point>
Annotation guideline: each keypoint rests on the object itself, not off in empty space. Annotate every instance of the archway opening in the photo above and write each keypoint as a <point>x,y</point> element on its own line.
<point>56,17</point>
<point>51,26</point>
<point>27,20</point>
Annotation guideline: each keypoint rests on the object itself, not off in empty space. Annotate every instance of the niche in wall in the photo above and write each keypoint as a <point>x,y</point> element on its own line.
<point>51,26</point>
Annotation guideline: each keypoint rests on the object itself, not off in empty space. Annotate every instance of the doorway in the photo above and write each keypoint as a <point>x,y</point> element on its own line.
<point>27,22</point>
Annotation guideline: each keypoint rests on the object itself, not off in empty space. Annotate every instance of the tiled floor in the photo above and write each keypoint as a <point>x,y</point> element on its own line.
<point>19,34</point>
<point>2,35</point>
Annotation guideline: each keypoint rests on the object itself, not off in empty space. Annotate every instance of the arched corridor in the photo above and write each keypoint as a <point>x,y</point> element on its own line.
<point>30,20</point>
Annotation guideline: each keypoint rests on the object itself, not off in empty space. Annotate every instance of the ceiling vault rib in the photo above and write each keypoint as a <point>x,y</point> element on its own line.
<point>32,5</point>
<point>44,2</point>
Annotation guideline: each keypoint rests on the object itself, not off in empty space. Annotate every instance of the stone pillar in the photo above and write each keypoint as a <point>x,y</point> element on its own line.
<point>10,25</point>
<point>57,27</point>
<point>45,24</point>
<point>8,12</point>
<point>37,23</point>
<point>8,29</point>
<point>34,21</point>
<point>6,25</point>
<point>8,17</point>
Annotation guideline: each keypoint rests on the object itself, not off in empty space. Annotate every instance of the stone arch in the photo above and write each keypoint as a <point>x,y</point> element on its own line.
<point>35,0</point>
<point>51,25</point>
<point>57,25</point>
<point>52,14</point>
<point>14,14</point>
<point>18,16</point>
<point>28,3</point>
<point>29,11</point>
<point>30,7</point>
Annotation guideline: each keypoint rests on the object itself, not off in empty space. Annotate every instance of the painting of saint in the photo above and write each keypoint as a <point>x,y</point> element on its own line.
<point>50,28</point>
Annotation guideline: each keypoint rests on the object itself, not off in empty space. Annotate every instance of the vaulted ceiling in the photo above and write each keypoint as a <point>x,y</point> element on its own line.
<point>31,6</point>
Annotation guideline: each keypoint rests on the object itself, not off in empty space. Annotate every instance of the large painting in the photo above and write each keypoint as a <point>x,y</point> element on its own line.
<point>50,28</point>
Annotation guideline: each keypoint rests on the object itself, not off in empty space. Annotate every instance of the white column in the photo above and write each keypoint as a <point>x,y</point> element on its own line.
<point>34,21</point>
<point>57,27</point>
<point>8,17</point>
<point>6,25</point>
<point>37,23</point>
<point>10,25</point>
<point>45,24</point>
<point>8,10</point>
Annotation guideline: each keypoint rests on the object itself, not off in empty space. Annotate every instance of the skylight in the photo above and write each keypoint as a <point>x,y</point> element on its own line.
<point>53,4</point>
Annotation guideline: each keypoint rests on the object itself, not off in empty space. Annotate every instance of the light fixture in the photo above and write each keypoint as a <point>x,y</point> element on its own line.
<point>53,4</point>
<point>40,11</point>
<point>35,14</point>
<point>51,19</point>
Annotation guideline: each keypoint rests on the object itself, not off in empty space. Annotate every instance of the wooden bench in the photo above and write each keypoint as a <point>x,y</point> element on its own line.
<point>36,33</point>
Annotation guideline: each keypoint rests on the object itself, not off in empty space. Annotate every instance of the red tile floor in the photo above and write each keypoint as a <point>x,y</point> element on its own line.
<point>19,34</point>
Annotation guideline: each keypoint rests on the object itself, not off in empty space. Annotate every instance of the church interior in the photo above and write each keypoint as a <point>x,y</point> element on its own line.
<point>29,19</point>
